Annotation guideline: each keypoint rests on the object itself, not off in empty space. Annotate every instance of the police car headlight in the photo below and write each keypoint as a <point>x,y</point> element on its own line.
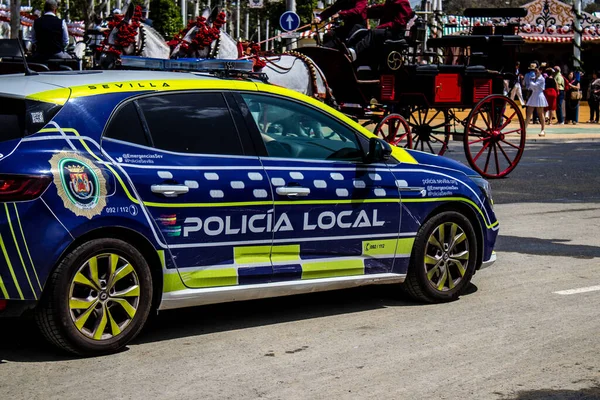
<point>486,188</point>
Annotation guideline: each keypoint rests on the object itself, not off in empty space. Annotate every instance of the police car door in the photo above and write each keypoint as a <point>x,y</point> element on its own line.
<point>335,215</point>
<point>207,193</point>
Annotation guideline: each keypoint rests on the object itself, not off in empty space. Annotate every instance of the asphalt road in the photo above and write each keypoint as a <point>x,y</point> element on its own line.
<point>511,337</point>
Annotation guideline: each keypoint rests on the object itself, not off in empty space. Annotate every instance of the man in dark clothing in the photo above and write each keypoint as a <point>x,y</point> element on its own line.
<point>353,14</point>
<point>50,34</point>
<point>393,17</point>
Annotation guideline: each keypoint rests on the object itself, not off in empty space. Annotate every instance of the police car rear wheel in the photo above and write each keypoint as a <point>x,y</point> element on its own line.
<point>97,299</point>
<point>443,258</point>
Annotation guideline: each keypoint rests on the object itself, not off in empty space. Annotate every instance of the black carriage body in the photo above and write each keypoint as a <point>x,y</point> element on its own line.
<point>473,68</point>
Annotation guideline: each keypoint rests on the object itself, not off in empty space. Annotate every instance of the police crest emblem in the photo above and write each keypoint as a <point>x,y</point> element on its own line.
<point>79,183</point>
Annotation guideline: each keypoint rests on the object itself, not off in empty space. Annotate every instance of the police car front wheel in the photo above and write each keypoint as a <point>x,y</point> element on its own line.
<point>443,259</point>
<point>97,299</point>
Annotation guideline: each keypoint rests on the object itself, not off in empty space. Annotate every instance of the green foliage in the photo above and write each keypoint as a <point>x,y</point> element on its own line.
<point>166,17</point>
<point>592,8</point>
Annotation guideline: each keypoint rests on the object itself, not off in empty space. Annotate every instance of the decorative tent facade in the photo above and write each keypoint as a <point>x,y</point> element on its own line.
<point>552,21</point>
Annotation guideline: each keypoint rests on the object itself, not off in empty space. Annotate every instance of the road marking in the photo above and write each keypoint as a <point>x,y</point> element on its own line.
<point>580,290</point>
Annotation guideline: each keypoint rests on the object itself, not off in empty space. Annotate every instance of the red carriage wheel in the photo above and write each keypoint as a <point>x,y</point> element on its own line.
<point>394,129</point>
<point>494,136</point>
<point>430,129</point>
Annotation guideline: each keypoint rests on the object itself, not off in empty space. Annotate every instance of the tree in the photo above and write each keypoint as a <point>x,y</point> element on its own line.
<point>592,8</point>
<point>15,20</point>
<point>166,17</point>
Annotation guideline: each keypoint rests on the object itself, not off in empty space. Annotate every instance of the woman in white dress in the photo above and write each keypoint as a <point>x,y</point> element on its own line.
<point>537,100</point>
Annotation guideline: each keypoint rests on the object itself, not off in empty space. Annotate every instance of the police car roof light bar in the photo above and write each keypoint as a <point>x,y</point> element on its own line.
<point>186,64</point>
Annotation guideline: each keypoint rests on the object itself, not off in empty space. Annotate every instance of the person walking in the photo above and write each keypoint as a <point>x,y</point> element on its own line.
<point>560,99</point>
<point>594,99</point>
<point>551,94</point>
<point>537,100</point>
<point>516,90</point>
<point>573,96</point>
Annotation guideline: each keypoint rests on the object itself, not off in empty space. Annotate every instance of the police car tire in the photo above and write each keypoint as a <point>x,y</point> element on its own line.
<point>53,316</point>
<point>416,284</point>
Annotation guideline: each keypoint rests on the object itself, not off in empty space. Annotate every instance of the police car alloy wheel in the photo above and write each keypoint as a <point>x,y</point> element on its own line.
<point>443,258</point>
<point>98,298</point>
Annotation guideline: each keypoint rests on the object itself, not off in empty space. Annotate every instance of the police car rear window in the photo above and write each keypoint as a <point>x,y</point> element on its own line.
<point>20,117</point>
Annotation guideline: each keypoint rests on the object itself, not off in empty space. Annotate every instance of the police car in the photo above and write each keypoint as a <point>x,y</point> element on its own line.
<point>124,192</point>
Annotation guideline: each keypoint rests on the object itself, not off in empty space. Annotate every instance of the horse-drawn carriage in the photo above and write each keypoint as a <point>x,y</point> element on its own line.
<point>418,98</point>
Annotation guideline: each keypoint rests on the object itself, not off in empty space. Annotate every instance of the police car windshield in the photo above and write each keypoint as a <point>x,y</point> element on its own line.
<point>20,117</point>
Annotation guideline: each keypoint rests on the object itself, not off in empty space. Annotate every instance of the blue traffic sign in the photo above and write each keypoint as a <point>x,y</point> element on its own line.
<point>289,21</point>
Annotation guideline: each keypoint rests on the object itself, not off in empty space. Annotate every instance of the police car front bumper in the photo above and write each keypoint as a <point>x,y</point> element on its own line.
<point>489,262</point>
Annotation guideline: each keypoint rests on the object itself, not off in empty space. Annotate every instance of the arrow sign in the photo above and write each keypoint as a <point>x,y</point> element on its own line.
<point>289,21</point>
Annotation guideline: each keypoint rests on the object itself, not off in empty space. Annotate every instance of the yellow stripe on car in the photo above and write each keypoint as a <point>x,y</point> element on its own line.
<point>12,231</point>
<point>27,247</point>
<point>3,288</point>
<point>332,269</point>
<point>10,267</point>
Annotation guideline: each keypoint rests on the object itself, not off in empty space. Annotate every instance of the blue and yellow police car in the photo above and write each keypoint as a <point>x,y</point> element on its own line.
<point>123,192</point>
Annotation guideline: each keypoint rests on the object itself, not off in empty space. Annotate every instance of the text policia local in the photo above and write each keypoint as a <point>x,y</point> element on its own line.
<point>258,223</point>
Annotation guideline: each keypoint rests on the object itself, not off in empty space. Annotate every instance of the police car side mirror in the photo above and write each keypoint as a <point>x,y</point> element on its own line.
<point>379,150</point>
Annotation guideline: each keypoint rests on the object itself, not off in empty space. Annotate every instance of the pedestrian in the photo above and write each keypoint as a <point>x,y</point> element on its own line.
<point>537,100</point>
<point>573,96</point>
<point>551,95</point>
<point>560,100</point>
<point>516,90</point>
<point>594,98</point>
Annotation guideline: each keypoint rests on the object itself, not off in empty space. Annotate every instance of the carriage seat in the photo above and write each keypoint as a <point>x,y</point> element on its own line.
<point>477,71</point>
<point>400,42</point>
<point>427,70</point>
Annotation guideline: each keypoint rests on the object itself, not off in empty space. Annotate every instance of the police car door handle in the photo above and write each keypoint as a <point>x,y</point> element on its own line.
<point>170,190</point>
<point>293,191</point>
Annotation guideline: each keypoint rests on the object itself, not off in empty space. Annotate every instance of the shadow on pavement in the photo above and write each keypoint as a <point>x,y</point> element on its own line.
<point>20,340</point>
<point>546,247</point>
<point>592,393</point>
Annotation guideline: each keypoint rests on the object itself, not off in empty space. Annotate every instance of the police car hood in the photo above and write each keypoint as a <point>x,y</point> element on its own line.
<point>440,162</point>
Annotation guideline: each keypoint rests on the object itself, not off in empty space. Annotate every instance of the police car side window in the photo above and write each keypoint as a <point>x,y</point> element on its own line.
<point>126,126</point>
<point>292,130</point>
<point>197,123</point>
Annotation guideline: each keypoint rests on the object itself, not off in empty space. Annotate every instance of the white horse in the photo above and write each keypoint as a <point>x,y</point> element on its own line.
<point>147,42</point>
<point>293,71</point>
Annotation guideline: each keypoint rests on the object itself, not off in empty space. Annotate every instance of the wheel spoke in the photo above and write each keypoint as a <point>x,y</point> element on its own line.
<point>133,291</point>
<point>460,267</point>
<point>93,263</point>
<point>508,121</point>
<point>129,309</point>
<point>450,280</point>
<point>433,270</point>
<point>510,144</point>
<point>481,131</point>
<point>442,280</point>
<point>114,327</point>
<point>101,325</point>
<point>81,304</point>
<point>463,255</point>
<point>430,148</point>
<point>457,240</point>
<point>431,260</point>
<point>485,120</point>
<point>496,158</point>
<point>121,273</point>
<point>435,242</point>
<point>82,319</point>
<point>487,161</point>
<point>513,131</point>
<point>485,146</point>
<point>83,280</point>
<point>432,118</point>
<point>505,155</point>
<point>478,140</point>
<point>442,234</point>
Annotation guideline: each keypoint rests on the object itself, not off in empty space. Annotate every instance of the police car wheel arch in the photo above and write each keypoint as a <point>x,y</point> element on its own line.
<point>444,258</point>
<point>97,299</point>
